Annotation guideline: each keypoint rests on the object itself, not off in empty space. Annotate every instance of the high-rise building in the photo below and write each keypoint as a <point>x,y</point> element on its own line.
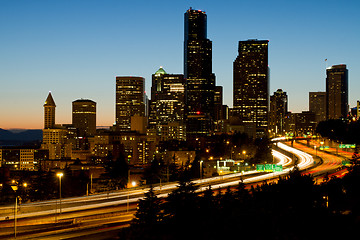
<point>129,100</point>
<point>218,103</point>
<point>200,81</point>
<point>49,112</point>
<point>317,105</point>
<point>167,114</point>
<point>84,117</point>
<point>278,111</point>
<point>337,92</point>
<point>251,85</point>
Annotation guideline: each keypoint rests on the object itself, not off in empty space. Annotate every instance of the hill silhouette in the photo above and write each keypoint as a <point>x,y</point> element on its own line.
<point>17,138</point>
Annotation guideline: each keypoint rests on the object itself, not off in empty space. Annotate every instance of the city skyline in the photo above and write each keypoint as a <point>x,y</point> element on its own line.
<point>76,49</point>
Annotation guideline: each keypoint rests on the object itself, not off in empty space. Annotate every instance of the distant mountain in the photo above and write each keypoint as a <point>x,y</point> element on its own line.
<point>17,138</point>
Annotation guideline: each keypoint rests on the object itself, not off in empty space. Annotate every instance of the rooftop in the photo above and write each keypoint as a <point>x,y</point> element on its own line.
<point>160,72</point>
<point>49,101</point>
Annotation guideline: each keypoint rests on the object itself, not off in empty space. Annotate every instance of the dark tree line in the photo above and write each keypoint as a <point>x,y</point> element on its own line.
<point>340,130</point>
<point>293,208</point>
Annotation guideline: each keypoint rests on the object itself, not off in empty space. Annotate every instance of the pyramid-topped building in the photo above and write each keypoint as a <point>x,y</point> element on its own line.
<point>49,101</point>
<point>49,112</point>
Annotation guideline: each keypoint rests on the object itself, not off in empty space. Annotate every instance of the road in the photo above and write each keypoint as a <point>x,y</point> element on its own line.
<point>331,161</point>
<point>116,209</point>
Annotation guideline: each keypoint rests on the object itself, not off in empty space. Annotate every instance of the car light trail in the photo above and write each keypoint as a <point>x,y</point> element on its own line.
<point>133,195</point>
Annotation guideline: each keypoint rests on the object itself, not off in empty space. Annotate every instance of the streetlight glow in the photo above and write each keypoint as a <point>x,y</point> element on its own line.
<point>59,175</point>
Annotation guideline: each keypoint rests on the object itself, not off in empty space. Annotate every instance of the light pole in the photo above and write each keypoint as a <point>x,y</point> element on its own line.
<point>201,162</point>
<point>16,201</point>
<point>59,175</point>
<point>133,184</point>
<point>15,188</point>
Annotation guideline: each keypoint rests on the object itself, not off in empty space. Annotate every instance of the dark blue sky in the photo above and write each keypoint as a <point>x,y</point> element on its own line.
<point>76,48</point>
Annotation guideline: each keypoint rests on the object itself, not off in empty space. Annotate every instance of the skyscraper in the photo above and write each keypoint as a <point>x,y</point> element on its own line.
<point>167,113</point>
<point>129,100</point>
<point>317,105</point>
<point>278,111</point>
<point>337,92</point>
<point>251,85</point>
<point>84,116</point>
<point>218,103</point>
<point>200,81</point>
<point>49,112</point>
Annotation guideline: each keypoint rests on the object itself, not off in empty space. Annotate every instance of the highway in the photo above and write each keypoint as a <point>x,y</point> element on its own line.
<point>331,161</point>
<point>80,212</point>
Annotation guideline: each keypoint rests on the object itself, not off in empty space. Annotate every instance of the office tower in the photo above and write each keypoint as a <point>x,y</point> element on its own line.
<point>84,117</point>
<point>49,112</point>
<point>251,81</point>
<point>200,81</point>
<point>54,136</point>
<point>317,105</point>
<point>337,92</point>
<point>168,105</point>
<point>218,103</point>
<point>129,100</point>
<point>278,111</point>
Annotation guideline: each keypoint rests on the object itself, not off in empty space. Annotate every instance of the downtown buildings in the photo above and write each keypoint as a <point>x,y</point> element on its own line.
<point>183,107</point>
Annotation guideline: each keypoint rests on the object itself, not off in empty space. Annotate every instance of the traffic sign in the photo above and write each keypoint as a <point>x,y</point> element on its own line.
<point>269,167</point>
<point>260,167</point>
<point>347,145</point>
<point>278,168</point>
<point>346,163</point>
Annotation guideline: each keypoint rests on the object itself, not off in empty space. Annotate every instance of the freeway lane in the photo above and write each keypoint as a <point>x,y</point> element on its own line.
<point>46,208</point>
<point>332,163</point>
<point>82,206</point>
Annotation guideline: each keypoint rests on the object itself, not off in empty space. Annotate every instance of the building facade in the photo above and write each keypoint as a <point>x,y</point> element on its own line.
<point>129,100</point>
<point>317,105</point>
<point>49,112</point>
<point>21,158</point>
<point>84,117</point>
<point>337,92</point>
<point>133,145</point>
<point>54,136</point>
<point>200,81</point>
<point>167,115</point>
<point>251,85</point>
<point>278,111</point>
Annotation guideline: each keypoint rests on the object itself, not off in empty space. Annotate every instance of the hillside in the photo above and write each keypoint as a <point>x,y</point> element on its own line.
<point>10,138</point>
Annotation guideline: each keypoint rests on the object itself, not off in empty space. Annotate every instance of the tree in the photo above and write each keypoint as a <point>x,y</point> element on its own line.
<point>263,150</point>
<point>148,213</point>
<point>117,172</point>
<point>182,202</point>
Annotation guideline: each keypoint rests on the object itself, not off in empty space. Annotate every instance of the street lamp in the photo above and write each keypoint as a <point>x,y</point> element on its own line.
<point>15,188</point>
<point>60,175</point>
<point>133,184</point>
